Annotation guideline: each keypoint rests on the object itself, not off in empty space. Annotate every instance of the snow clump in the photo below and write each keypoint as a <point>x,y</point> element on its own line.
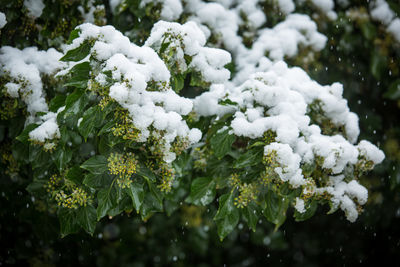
<point>133,68</point>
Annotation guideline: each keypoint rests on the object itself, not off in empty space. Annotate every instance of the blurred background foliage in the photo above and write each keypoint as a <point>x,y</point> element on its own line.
<point>359,54</point>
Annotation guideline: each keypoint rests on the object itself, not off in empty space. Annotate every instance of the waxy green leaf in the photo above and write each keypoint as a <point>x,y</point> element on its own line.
<point>202,191</point>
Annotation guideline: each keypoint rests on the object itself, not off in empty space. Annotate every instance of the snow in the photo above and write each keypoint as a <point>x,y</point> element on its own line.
<point>12,89</point>
<point>114,4</point>
<point>284,39</point>
<point>132,68</point>
<point>207,103</point>
<point>286,6</point>
<point>195,135</point>
<point>188,39</point>
<point>47,130</point>
<point>299,205</point>
<point>355,190</point>
<point>349,207</point>
<point>270,95</point>
<point>370,152</point>
<point>285,97</point>
<point>381,11</point>
<point>25,67</point>
<point>217,19</point>
<point>345,195</point>
<point>326,6</point>
<point>171,9</point>
<point>35,7</point>
<point>3,20</point>
<point>394,29</point>
<point>278,99</point>
<point>89,16</point>
<point>289,170</point>
<point>255,17</point>
<point>336,151</point>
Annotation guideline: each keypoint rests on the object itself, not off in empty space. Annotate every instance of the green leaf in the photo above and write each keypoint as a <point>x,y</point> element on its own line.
<point>61,157</point>
<point>231,66</point>
<point>219,168</point>
<point>368,30</point>
<point>73,98</point>
<point>96,164</point>
<point>87,218</point>
<point>146,173</point>
<point>106,128</point>
<point>202,191</point>
<point>311,208</point>
<point>24,136</point>
<point>123,204</point>
<point>106,199</point>
<point>250,158</point>
<point>394,90</point>
<point>73,35</point>
<point>152,202</point>
<point>222,142</point>
<point>19,152</point>
<point>222,181</point>
<point>107,142</point>
<point>216,125</point>
<point>155,192</point>
<point>35,153</point>
<point>136,192</point>
<point>227,216</point>
<point>74,104</point>
<point>308,169</point>
<point>74,174</point>
<point>250,214</point>
<point>97,181</point>
<point>227,102</point>
<point>164,46</point>
<point>333,208</point>
<point>75,138</point>
<point>378,64</point>
<point>170,207</point>
<point>182,164</point>
<point>37,187</point>
<point>276,208</point>
<point>86,126</point>
<point>178,81</point>
<point>197,80</point>
<point>57,102</point>
<point>78,53</point>
<point>79,75</point>
<point>149,206</point>
<point>257,143</point>
<point>68,222</point>
<point>65,136</point>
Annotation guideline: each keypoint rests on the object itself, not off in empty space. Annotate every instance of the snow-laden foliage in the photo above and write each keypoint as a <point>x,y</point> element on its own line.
<point>381,12</point>
<point>3,20</point>
<point>311,126</point>
<point>204,103</point>
<point>131,70</point>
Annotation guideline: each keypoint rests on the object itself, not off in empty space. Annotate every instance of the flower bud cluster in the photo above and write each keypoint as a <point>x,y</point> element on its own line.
<point>247,192</point>
<point>66,194</point>
<point>124,166</point>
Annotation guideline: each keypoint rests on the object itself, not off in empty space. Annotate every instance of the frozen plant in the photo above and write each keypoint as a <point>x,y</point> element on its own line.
<point>202,104</point>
